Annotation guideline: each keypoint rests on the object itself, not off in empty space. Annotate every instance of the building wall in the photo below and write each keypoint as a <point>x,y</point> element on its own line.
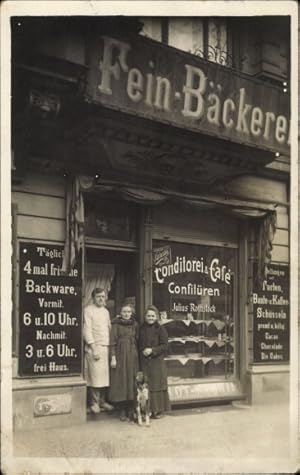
<point>268,383</point>
<point>39,214</point>
<point>39,208</point>
<point>263,383</point>
<point>264,54</point>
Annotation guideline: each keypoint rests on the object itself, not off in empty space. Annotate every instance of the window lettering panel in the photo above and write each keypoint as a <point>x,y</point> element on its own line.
<point>193,288</point>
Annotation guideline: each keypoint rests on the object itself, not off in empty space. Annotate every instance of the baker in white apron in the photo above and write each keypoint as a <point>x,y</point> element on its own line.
<point>96,333</point>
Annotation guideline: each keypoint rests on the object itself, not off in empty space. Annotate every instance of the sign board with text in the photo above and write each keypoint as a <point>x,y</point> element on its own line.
<point>148,79</point>
<point>50,337</point>
<point>198,391</point>
<point>271,316</point>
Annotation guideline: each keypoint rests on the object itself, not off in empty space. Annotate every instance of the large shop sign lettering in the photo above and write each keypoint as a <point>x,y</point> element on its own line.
<point>154,81</point>
<point>216,274</point>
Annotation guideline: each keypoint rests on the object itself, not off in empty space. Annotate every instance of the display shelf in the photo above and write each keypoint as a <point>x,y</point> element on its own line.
<point>199,366</point>
<point>187,321</point>
<point>205,328</point>
<point>199,344</point>
<point>217,322</point>
<point>200,348</point>
<point>197,357</point>
<point>197,339</point>
<point>177,380</point>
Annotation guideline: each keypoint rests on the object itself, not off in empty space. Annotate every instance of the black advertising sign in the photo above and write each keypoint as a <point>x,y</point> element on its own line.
<point>49,313</point>
<point>271,316</point>
<point>145,78</point>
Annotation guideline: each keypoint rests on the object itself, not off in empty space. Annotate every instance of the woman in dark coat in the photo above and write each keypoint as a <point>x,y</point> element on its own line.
<point>153,344</point>
<point>124,361</point>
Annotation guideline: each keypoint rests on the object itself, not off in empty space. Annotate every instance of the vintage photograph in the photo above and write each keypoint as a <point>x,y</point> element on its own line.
<point>151,240</point>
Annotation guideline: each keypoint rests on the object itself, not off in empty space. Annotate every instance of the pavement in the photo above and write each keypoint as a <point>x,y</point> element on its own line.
<point>233,438</point>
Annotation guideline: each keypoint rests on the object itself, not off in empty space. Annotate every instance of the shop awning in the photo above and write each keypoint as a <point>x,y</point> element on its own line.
<point>150,196</point>
<point>264,213</point>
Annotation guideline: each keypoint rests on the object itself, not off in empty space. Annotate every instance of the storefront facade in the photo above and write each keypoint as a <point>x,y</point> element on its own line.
<point>166,177</point>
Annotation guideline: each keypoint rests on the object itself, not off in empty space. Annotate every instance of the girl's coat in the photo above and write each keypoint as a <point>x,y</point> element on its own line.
<point>124,337</point>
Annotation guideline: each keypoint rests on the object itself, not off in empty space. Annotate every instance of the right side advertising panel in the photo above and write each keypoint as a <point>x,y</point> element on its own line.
<point>271,316</point>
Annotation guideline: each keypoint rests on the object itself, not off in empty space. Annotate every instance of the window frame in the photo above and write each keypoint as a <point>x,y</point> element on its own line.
<point>165,38</point>
<point>157,236</point>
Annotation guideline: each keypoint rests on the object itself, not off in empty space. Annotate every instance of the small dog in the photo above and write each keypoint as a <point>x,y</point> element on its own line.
<point>142,403</point>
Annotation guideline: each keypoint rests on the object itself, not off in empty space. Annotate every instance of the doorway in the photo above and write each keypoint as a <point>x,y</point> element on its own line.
<point>116,272</point>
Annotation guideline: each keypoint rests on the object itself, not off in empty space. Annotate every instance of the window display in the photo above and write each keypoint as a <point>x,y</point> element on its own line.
<point>194,289</point>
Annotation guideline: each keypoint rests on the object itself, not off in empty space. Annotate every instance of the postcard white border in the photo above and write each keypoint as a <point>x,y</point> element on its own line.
<point>11,464</point>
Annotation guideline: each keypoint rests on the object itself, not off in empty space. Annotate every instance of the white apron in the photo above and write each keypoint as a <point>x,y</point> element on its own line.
<point>96,330</point>
<point>97,371</point>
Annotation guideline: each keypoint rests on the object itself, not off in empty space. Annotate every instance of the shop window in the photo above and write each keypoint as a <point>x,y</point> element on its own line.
<point>208,38</point>
<point>194,290</point>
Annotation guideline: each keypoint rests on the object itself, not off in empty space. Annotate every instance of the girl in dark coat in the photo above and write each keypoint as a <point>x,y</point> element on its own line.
<point>124,361</point>
<point>153,344</point>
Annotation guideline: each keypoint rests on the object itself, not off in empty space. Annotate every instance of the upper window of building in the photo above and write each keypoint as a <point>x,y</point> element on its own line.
<point>204,37</point>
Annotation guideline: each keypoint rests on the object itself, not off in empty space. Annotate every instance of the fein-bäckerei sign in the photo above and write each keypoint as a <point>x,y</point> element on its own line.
<point>151,80</point>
